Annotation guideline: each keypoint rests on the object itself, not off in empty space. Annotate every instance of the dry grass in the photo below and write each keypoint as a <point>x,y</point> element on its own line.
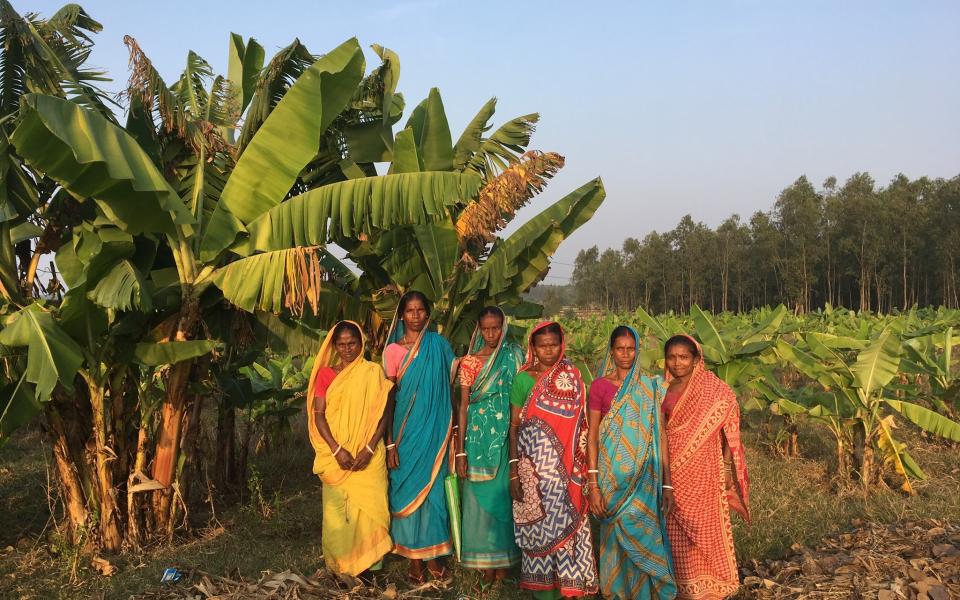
<point>793,501</point>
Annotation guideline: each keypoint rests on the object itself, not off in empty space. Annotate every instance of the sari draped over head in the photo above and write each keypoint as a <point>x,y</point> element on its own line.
<point>421,430</point>
<point>551,523</point>
<point>356,520</point>
<point>704,419</point>
<point>635,557</point>
<point>488,414</point>
<point>488,537</point>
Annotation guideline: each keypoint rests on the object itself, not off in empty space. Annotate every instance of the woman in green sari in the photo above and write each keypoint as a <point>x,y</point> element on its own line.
<point>482,454</point>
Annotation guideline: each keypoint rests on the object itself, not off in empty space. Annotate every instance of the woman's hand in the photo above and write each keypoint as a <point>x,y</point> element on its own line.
<point>363,459</point>
<point>516,490</point>
<point>595,498</point>
<point>393,459</point>
<point>669,501</point>
<point>344,459</point>
<point>460,463</point>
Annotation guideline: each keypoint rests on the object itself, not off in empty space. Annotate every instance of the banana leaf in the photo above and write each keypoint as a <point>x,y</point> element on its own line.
<point>451,487</point>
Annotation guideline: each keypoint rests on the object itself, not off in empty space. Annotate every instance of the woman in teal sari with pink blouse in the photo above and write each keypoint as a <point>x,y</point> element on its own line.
<point>419,361</point>
<point>629,480</point>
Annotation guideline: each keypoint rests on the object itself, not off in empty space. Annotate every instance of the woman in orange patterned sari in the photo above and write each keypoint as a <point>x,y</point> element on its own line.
<point>709,473</point>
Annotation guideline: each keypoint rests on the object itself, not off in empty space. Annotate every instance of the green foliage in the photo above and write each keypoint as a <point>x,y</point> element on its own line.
<point>859,244</point>
<point>839,369</point>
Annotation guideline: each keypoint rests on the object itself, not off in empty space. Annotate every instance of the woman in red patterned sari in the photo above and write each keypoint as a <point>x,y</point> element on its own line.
<point>548,467</point>
<point>709,473</point>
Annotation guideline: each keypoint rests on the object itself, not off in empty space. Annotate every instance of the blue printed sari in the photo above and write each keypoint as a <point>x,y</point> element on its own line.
<point>635,559</point>
<point>420,527</point>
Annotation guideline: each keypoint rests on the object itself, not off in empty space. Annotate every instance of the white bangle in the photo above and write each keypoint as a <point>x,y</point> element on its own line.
<point>513,460</point>
<point>391,446</point>
<point>666,487</point>
<point>593,471</point>
<point>369,449</point>
<point>460,454</point>
<point>337,451</point>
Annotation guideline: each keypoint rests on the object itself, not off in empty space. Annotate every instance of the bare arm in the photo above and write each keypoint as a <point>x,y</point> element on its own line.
<point>516,490</point>
<point>460,440</point>
<point>393,459</point>
<point>365,454</point>
<point>669,500</point>
<point>342,455</point>
<point>593,453</point>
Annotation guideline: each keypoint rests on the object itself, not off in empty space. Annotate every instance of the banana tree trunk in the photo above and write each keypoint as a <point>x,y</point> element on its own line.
<point>135,501</point>
<point>189,449</point>
<point>226,460</point>
<point>864,455</point>
<point>109,521</point>
<point>74,498</point>
<point>171,420</point>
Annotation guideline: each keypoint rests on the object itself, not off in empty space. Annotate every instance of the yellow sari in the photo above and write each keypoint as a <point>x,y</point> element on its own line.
<point>356,516</point>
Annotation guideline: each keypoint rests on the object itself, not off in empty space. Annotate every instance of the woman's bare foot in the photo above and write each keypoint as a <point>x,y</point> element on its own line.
<point>415,574</point>
<point>436,569</point>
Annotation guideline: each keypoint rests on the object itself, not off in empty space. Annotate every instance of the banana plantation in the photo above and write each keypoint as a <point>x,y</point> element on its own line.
<point>205,230</point>
<point>171,257</point>
<point>859,376</point>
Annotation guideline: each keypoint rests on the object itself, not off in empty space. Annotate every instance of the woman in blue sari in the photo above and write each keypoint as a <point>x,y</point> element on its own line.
<point>418,361</point>
<point>628,475</point>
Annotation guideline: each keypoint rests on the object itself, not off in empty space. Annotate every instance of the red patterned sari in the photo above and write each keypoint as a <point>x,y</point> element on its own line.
<point>704,419</point>
<point>551,523</point>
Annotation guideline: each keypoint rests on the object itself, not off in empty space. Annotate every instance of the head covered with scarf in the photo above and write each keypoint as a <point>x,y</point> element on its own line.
<point>489,396</point>
<point>355,401</point>
<point>552,437</point>
<point>635,555</point>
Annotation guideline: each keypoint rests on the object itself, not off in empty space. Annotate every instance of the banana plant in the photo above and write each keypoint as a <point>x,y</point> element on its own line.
<point>856,402</point>
<point>191,219</point>
<point>932,355</point>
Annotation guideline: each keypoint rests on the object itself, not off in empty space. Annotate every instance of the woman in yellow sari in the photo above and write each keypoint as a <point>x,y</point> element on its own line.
<point>346,401</point>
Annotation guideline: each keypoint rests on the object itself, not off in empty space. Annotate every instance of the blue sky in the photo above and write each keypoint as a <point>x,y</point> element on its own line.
<point>707,108</point>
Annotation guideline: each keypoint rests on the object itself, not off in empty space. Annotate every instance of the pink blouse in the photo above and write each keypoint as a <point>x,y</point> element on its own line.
<point>601,395</point>
<point>393,356</point>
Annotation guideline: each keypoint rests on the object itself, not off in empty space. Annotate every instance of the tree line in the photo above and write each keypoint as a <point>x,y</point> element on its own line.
<point>858,245</point>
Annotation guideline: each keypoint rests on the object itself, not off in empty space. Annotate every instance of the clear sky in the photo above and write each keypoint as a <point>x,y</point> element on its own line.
<point>707,108</point>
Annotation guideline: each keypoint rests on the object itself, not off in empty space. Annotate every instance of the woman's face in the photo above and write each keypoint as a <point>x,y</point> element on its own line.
<point>348,346</point>
<point>680,360</point>
<point>546,347</point>
<point>624,351</point>
<point>415,315</point>
<point>491,328</point>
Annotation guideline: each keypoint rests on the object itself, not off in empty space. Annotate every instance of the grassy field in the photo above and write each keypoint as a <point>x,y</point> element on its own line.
<point>278,526</point>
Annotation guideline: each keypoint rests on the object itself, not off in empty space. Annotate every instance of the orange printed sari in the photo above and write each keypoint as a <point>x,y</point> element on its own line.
<point>704,419</point>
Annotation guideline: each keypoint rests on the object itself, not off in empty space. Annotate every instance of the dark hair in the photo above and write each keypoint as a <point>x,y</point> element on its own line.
<point>618,332</point>
<point>492,311</point>
<point>346,327</point>
<point>413,295</point>
<point>681,340</point>
<point>552,327</point>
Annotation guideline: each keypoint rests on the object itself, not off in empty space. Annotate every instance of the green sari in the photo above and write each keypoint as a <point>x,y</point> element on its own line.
<point>488,536</point>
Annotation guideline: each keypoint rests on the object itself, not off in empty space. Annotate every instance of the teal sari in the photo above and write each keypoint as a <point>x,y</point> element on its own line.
<point>420,526</point>
<point>488,536</point>
<point>635,560</point>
